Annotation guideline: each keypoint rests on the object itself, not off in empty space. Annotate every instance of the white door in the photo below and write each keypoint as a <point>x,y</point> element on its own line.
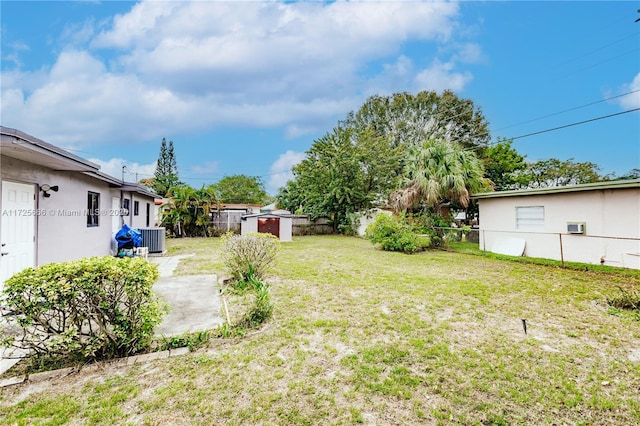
<point>18,229</point>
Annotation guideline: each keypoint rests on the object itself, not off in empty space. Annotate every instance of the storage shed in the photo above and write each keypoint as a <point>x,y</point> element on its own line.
<point>280,225</point>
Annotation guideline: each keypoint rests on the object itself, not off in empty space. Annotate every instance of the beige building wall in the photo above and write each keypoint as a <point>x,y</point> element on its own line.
<point>611,217</point>
<point>286,229</point>
<point>62,233</point>
<point>248,225</point>
<point>139,220</point>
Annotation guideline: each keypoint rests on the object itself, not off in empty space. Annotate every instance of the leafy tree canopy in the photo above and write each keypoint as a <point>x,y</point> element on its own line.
<point>553,172</point>
<point>241,189</point>
<point>631,174</point>
<point>410,120</point>
<point>344,172</point>
<point>504,166</point>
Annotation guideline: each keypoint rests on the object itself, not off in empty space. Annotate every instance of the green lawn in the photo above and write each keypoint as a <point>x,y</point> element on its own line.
<point>365,336</point>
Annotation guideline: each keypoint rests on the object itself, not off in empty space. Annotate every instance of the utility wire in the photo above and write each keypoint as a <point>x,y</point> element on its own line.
<point>575,124</point>
<point>567,110</point>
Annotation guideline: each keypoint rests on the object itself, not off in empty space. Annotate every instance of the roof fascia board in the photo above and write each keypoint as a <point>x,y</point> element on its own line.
<point>597,186</point>
<point>18,136</point>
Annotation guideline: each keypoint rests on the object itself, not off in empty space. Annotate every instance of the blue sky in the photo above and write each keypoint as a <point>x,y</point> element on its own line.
<point>246,87</point>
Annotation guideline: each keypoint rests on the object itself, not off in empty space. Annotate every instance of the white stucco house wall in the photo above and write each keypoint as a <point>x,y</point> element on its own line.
<point>596,223</point>
<point>368,217</point>
<point>280,225</point>
<point>56,206</point>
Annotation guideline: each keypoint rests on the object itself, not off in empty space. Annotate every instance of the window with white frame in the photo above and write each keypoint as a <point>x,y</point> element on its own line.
<point>530,218</point>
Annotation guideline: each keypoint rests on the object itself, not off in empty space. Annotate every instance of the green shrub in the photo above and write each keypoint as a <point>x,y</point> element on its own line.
<point>249,256</point>
<point>392,234</point>
<point>94,308</point>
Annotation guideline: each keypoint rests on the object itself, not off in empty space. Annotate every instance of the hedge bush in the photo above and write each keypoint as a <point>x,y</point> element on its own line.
<point>94,308</point>
<point>392,234</point>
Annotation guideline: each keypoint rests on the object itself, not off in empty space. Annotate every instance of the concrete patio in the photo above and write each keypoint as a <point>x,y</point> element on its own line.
<point>194,300</point>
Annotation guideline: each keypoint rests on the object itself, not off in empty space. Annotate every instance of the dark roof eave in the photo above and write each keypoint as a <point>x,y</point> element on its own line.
<point>17,134</point>
<point>137,188</point>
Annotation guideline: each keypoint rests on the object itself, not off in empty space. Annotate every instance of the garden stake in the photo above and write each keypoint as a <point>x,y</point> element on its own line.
<point>226,309</point>
<point>524,325</point>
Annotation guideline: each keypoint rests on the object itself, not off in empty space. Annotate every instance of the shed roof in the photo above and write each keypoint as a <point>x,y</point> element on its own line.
<point>269,215</point>
<point>597,186</point>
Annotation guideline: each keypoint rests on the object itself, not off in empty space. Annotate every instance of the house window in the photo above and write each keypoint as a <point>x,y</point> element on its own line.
<point>136,208</point>
<point>148,213</point>
<point>93,208</point>
<point>530,218</point>
<point>125,207</point>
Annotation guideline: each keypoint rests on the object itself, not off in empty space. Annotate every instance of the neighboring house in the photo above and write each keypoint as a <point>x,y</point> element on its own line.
<point>590,223</point>
<point>57,206</point>
<point>278,224</point>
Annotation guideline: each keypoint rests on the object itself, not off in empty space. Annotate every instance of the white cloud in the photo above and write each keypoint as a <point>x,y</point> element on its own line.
<point>190,66</point>
<point>208,168</point>
<point>113,167</point>
<point>631,100</point>
<point>469,53</point>
<point>280,170</point>
<point>19,45</point>
<point>440,76</point>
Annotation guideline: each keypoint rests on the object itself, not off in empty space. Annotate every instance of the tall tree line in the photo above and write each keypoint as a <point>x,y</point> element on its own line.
<point>415,153</point>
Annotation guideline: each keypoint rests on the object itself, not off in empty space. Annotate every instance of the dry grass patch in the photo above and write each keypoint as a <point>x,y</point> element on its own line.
<point>365,336</point>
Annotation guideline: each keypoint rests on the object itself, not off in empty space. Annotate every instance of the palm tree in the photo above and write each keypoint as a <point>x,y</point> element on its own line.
<point>439,172</point>
<point>179,214</point>
<point>190,210</point>
<point>204,198</point>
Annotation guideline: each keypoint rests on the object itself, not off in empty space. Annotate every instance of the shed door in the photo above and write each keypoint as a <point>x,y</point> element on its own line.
<point>18,229</point>
<point>269,226</point>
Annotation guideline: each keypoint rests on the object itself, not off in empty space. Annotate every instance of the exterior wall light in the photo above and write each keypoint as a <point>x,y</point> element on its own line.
<point>46,188</point>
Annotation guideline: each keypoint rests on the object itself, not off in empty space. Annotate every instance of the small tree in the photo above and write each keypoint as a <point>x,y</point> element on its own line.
<point>166,174</point>
<point>436,173</point>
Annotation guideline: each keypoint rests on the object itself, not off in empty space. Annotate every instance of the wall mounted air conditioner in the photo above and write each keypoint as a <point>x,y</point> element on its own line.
<point>575,228</point>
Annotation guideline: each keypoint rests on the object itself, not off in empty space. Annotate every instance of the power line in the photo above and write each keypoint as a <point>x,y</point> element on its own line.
<point>575,124</point>
<point>567,110</point>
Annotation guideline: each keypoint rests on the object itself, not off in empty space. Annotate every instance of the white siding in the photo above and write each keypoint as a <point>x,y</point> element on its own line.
<point>612,219</point>
<point>62,234</point>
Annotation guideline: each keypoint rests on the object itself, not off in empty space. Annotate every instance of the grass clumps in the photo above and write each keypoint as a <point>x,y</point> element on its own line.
<point>625,300</point>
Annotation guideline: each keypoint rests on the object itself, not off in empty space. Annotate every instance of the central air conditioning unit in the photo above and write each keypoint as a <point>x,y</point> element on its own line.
<point>153,239</point>
<point>575,228</point>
